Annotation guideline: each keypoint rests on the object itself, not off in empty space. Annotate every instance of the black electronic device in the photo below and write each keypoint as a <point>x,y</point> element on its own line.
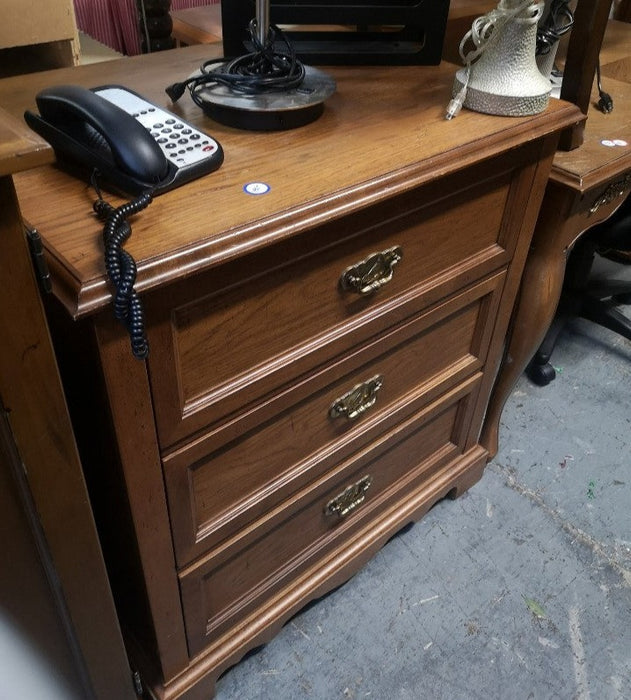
<point>347,32</point>
<point>120,140</point>
<point>134,145</point>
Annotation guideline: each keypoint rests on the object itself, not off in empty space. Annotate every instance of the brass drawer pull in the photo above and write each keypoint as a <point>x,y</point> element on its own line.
<point>352,497</point>
<point>358,400</point>
<point>368,275</point>
<point>615,190</point>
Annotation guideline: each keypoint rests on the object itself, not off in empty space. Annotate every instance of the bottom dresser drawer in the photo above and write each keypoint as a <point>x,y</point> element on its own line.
<point>242,574</point>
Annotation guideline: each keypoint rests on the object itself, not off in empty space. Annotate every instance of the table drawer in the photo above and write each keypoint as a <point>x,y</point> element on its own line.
<point>240,576</point>
<point>243,469</point>
<point>218,351</point>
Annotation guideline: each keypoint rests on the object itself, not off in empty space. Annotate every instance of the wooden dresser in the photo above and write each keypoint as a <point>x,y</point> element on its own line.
<point>321,356</point>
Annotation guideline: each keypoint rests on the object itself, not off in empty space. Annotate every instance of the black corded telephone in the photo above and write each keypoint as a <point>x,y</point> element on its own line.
<point>121,140</point>
<point>135,145</point>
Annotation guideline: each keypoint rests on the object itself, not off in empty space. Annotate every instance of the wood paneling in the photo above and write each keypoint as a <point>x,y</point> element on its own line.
<point>35,411</point>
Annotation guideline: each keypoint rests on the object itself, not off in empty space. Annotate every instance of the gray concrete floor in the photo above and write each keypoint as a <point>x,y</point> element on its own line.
<point>519,589</point>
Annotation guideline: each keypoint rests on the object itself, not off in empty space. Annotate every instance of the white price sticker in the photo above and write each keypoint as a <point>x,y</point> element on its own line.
<point>256,188</point>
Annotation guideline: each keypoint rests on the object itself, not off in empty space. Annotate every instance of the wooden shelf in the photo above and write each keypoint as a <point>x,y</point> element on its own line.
<point>197,25</point>
<point>43,40</point>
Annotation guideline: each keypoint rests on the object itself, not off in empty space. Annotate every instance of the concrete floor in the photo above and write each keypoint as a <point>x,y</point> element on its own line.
<point>520,589</point>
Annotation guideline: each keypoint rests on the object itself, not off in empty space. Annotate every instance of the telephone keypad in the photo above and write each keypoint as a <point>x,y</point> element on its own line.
<point>169,131</point>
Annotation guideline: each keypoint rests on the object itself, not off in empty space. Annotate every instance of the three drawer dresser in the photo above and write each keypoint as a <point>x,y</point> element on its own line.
<point>326,315</point>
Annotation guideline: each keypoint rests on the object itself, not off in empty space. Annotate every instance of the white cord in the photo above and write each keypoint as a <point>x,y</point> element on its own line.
<point>456,102</point>
<point>481,34</point>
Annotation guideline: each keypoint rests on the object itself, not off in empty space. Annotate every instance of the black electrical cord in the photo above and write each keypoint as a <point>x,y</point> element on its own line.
<point>263,70</point>
<point>605,102</point>
<point>558,22</point>
<point>121,267</point>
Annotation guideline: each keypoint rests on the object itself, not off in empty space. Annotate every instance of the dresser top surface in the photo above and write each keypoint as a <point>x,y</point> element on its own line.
<point>20,148</point>
<point>383,132</point>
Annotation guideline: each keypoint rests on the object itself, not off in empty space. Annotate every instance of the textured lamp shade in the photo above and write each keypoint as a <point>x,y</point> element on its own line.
<point>505,78</point>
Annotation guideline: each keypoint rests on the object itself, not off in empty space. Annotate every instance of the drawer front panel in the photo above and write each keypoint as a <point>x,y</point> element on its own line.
<point>230,348</point>
<point>250,569</point>
<point>237,473</point>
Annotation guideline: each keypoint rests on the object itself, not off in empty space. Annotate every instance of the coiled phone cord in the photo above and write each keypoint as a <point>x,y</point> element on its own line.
<point>121,267</point>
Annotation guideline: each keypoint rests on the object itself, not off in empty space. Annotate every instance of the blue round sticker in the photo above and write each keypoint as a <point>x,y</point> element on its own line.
<point>256,188</point>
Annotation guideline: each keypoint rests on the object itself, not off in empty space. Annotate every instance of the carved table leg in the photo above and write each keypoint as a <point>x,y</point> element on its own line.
<point>565,214</point>
<point>539,295</point>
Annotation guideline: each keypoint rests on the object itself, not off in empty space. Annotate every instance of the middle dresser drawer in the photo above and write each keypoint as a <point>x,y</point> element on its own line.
<point>225,341</point>
<point>236,473</point>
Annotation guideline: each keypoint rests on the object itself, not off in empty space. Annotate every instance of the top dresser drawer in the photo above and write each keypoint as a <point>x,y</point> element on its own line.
<point>217,346</point>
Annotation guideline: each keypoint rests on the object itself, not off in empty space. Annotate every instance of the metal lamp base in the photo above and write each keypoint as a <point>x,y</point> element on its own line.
<point>268,111</point>
<point>480,100</point>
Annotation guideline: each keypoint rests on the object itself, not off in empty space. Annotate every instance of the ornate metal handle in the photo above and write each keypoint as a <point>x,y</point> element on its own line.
<point>368,275</point>
<point>613,191</point>
<point>358,400</point>
<point>352,497</point>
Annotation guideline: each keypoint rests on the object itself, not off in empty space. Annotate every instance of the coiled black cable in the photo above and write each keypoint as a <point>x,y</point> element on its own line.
<point>121,267</point>
<point>263,70</point>
<point>558,22</point>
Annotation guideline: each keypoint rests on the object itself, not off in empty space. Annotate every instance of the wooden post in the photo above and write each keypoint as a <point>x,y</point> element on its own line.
<point>590,21</point>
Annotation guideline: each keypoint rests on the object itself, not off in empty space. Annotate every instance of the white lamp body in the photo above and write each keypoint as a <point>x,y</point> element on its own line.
<point>505,79</point>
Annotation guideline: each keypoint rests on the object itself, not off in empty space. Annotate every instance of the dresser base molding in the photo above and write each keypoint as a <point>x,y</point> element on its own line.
<point>197,682</point>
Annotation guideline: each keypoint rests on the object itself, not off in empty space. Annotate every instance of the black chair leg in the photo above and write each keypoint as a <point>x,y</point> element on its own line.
<point>593,300</point>
<point>539,370</point>
<point>606,314</point>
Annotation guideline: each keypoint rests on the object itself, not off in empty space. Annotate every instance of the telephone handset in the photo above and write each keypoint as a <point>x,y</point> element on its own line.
<point>134,144</point>
<point>120,139</point>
